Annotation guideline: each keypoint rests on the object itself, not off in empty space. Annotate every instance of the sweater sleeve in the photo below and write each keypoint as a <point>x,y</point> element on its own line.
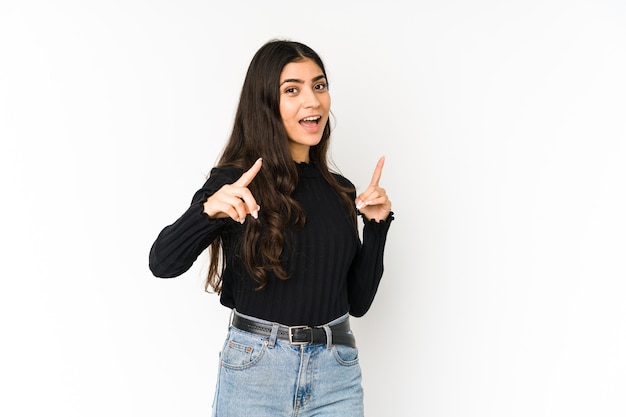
<point>178,245</point>
<point>367,268</point>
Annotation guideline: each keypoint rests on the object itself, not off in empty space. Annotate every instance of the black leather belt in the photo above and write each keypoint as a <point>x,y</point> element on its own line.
<point>299,335</point>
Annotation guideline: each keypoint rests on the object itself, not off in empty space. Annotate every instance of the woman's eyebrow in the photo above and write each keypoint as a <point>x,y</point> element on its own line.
<point>296,80</point>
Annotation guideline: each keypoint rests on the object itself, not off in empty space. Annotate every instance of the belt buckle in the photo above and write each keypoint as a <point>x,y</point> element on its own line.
<point>290,333</point>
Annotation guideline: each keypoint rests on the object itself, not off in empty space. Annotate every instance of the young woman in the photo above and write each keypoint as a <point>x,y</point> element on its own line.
<point>286,255</point>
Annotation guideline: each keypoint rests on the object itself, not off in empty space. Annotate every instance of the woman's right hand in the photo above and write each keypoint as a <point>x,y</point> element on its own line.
<point>235,200</point>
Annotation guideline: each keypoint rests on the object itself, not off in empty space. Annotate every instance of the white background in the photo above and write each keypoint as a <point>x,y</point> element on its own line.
<point>503,128</point>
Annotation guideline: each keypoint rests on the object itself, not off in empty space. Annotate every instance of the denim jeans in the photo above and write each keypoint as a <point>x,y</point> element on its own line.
<point>264,376</point>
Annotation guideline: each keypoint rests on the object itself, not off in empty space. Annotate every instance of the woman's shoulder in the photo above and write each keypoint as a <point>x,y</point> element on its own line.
<point>343,181</point>
<point>226,171</point>
<point>220,175</point>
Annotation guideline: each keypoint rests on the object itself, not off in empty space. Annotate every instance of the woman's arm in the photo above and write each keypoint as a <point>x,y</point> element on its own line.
<point>367,269</point>
<point>178,245</point>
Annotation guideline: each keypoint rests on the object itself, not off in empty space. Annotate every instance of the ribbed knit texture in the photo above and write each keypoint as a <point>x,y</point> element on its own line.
<point>331,272</point>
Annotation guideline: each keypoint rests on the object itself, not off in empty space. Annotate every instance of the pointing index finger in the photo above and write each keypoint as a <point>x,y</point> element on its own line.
<point>378,171</point>
<point>247,177</point>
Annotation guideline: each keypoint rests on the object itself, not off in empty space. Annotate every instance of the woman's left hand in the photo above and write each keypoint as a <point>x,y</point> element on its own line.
<point>373,203</point>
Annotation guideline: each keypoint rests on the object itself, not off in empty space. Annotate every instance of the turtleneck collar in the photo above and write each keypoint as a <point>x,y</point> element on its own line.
<point>307,170</point>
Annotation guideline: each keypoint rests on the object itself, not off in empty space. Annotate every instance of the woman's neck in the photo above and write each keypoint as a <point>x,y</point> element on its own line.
<point>299,153</point>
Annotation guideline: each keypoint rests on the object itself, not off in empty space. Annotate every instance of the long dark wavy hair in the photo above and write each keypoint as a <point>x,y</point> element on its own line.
<point>258,131</point>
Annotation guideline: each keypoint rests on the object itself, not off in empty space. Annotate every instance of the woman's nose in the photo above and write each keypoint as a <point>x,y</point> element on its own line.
<point>310,100</point>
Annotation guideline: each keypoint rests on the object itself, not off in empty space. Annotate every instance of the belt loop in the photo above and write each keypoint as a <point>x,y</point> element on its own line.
<point>230,319</point>
<point>329,336</point>
<point>273,335</point>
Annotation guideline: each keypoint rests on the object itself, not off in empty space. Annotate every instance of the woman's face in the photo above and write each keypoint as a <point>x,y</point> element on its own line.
<point>304,106</point>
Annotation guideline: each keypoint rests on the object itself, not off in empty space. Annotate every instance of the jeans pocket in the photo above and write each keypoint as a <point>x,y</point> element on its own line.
<point>346,355</point>
<point>241,352</point>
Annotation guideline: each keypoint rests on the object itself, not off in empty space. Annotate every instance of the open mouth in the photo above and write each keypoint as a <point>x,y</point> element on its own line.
<point>312,120</point>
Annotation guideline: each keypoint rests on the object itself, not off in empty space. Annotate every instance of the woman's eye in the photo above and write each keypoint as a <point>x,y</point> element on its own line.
<point>321,86</point>
<point>291,90</point>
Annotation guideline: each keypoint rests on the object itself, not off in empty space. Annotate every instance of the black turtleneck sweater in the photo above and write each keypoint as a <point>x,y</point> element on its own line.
<point>331,271</point>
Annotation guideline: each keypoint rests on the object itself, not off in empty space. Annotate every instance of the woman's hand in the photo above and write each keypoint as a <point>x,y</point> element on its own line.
<point>373,202</point>
<point>235,200</point>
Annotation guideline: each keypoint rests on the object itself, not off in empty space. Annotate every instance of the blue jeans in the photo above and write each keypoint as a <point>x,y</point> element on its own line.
<point>264,376</point>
